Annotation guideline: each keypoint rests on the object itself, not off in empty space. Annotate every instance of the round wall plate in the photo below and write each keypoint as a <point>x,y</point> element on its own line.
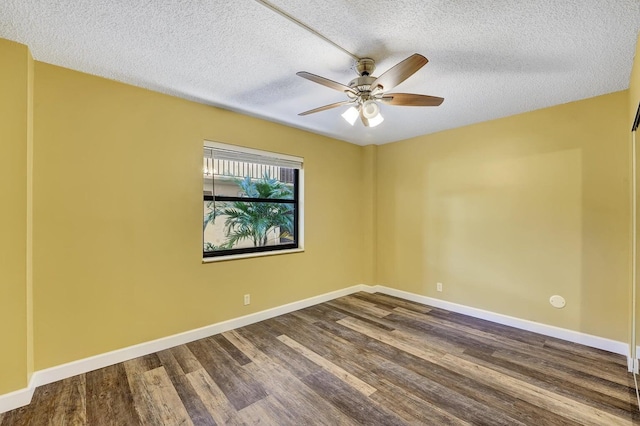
<point>557,301</point>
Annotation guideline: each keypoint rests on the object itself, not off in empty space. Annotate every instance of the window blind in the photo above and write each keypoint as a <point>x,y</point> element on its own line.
<point>249,157</point>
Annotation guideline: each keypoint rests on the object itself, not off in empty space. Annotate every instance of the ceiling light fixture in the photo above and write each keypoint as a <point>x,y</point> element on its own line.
<point>373,122</point>
<point>371,111</point>
<point>351,115</point>
<point>367,92</point>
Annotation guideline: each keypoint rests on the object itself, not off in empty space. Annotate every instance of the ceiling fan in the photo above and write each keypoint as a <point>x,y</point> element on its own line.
<point>366,91</point>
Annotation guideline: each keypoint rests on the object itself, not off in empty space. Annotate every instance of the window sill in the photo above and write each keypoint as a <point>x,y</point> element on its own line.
<point>250,255</point>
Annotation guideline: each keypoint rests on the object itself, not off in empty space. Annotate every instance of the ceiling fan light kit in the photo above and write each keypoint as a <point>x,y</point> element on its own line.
<point>375,120</point>
<point>351,115</point>
<point>365,92</point>
<point>370,109</point>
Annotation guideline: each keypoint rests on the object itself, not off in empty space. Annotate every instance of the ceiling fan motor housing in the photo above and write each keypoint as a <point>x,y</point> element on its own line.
<point>365,66</point>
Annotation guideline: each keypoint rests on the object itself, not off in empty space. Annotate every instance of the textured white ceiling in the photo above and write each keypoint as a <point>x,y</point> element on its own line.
<point>488,59</point>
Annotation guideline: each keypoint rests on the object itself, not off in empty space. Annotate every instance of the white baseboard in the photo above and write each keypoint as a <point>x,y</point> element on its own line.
<point>522,324</point>
<point>22,397</point>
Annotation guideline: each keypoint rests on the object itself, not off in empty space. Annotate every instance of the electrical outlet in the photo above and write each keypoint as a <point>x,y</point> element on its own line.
<point>247,299</point>
<point>439,286</point>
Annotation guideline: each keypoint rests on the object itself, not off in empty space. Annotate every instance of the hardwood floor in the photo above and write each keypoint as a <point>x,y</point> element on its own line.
<point>361,359</point>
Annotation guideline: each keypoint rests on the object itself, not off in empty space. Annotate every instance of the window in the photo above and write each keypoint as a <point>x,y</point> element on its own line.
<point>251,201</point>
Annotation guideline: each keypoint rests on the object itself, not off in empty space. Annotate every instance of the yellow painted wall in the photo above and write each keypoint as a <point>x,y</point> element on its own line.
<point>15,65</point>
<point>508,212</point>
<point>368,211</point>
<point>634,85</point>
<point>118,213</point>
<point>634,101</point>
<point>29,216</point>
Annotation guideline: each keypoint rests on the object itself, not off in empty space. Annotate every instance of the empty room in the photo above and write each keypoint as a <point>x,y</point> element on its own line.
<point>319,212</point>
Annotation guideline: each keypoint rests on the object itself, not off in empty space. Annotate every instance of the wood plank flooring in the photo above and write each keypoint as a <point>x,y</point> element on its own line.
<point>361,359</point>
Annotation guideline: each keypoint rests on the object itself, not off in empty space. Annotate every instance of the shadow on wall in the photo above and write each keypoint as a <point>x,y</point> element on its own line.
<point>507,233</point>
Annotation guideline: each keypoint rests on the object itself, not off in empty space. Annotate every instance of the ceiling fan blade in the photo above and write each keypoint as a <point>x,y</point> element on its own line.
<point>326,107</point>
<point>400,72</point>
<point>410,99</point>
<point>325,82</point>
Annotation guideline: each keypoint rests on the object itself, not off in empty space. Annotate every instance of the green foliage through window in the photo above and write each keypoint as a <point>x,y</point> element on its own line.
<point>254,221</point>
